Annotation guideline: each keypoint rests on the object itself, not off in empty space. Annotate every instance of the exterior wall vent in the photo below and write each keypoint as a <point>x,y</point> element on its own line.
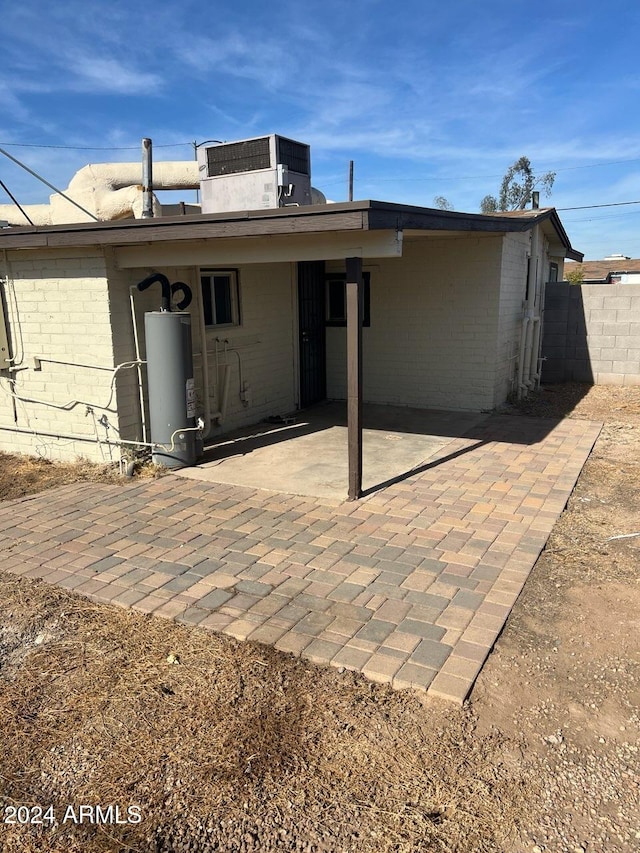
<point>251,174</point>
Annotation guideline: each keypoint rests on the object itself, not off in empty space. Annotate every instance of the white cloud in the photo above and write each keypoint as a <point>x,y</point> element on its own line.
<point>261,59</point>
<point>107,74</point>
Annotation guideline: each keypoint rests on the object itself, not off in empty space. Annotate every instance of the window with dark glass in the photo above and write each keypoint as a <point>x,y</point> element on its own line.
<point>220,299</point>
<point>336,299</point>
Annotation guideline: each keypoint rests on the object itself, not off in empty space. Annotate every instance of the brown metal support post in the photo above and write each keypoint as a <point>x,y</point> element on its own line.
<point>354,375</point>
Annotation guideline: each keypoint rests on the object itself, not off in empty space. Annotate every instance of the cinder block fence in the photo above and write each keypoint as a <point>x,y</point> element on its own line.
<point>592,333</point>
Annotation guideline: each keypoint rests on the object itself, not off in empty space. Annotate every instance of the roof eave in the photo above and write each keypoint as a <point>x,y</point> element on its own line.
<point>343,216</point>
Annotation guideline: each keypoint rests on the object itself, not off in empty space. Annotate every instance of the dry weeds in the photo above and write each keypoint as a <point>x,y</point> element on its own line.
<point>235,743</point>
<point>25,475</point>
<point>238,747</point>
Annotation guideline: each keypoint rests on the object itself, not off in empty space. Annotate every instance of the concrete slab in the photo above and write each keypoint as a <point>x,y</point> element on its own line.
<point>309,457</point>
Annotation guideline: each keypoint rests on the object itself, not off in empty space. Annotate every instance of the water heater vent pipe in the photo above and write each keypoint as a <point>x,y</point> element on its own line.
<point>147,179</point>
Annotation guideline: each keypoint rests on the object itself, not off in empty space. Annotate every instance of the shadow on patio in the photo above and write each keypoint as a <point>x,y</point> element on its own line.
<point>309,456</point>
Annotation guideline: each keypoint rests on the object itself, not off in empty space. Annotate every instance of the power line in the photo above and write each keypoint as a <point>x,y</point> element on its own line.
<point>491,177</point>
<point>333,183</point>
<point>601,218</point>
<point>91,147</point>
<point>365,178</point>
<point>595,165</point>
<point>591,206</point>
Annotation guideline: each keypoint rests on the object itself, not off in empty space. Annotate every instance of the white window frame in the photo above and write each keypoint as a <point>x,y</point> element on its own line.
<point>207,294</point>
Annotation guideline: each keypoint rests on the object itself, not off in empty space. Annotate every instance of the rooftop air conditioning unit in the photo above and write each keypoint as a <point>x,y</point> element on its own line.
<point>265,172</point>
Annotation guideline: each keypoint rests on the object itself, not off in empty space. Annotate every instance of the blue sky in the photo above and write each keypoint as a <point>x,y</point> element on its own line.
<point>427,98</point>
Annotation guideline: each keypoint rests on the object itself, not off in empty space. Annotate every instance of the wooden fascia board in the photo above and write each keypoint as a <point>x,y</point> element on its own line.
<point>442,221</point>
<point>23,241</point>
<point>145,231</point>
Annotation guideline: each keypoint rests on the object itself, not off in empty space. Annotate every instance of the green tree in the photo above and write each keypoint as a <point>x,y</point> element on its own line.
<point>517,188</point>
<point>575,275</point>
<point>442,203</point>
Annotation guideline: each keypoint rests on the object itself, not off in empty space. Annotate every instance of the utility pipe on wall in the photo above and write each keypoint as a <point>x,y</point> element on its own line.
<point>225,391</point>
<point>534,376</point>
<point>136,343</point>
<point>539,359</point>
<point>521,357</point>
<point>207,415</point>
<point>119,442</point>
<point>525,369</point>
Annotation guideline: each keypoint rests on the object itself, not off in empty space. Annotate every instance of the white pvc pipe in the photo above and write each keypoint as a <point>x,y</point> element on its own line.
<point>543,294</point>
<point>12,312</point>
<point>535,347</point>
<point>526,368</point>
<point>523,342</point>
<point>136,343</point>
<point>225,391</point>
<point>206,430</point>
<point>526,379</point>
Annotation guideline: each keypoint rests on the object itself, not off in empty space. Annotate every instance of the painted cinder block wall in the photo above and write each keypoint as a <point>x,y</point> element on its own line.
<point>261,349</point>
<point>592,333</point>
<point>442,334</point>
<point>58,311</point>
<point>71,310</point>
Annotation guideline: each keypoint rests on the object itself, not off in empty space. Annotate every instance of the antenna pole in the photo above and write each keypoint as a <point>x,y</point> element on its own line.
<point>147,179</point>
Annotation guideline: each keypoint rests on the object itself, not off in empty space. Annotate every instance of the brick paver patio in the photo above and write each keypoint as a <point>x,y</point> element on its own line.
<point>410,586</point>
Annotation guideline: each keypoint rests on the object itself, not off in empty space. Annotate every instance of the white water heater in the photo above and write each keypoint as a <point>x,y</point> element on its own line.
<point>252,174</point>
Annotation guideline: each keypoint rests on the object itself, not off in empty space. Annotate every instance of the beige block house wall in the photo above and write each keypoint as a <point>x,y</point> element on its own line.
<point>435,319</point>
<point>261,349</point>
<point>58,309</point>
<point>72,311</point>
<point>441,336</point>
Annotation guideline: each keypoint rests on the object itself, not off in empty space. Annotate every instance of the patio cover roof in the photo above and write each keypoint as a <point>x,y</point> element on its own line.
<point>328,219</point>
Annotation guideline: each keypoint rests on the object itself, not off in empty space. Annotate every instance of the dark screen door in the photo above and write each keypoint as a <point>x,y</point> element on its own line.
<point>311,311</point>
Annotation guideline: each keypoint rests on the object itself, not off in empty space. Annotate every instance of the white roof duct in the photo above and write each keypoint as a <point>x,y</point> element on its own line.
<point>108,190</point>
<point>111,191</point>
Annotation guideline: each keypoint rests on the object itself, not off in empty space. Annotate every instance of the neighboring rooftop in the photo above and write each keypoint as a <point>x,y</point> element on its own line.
<point>602,272</point>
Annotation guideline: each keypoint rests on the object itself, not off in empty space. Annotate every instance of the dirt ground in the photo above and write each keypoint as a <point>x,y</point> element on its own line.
<point>218,745</point>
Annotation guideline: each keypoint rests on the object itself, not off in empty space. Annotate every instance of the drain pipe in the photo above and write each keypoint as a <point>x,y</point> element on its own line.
<point>529,321</point>
<point>208,415</point>
<point>539,357</point>
<point>225,391</point>
<point>531,379</point>
<point>521,357</point>
<point>136,343</point>
<point>147,179</point>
